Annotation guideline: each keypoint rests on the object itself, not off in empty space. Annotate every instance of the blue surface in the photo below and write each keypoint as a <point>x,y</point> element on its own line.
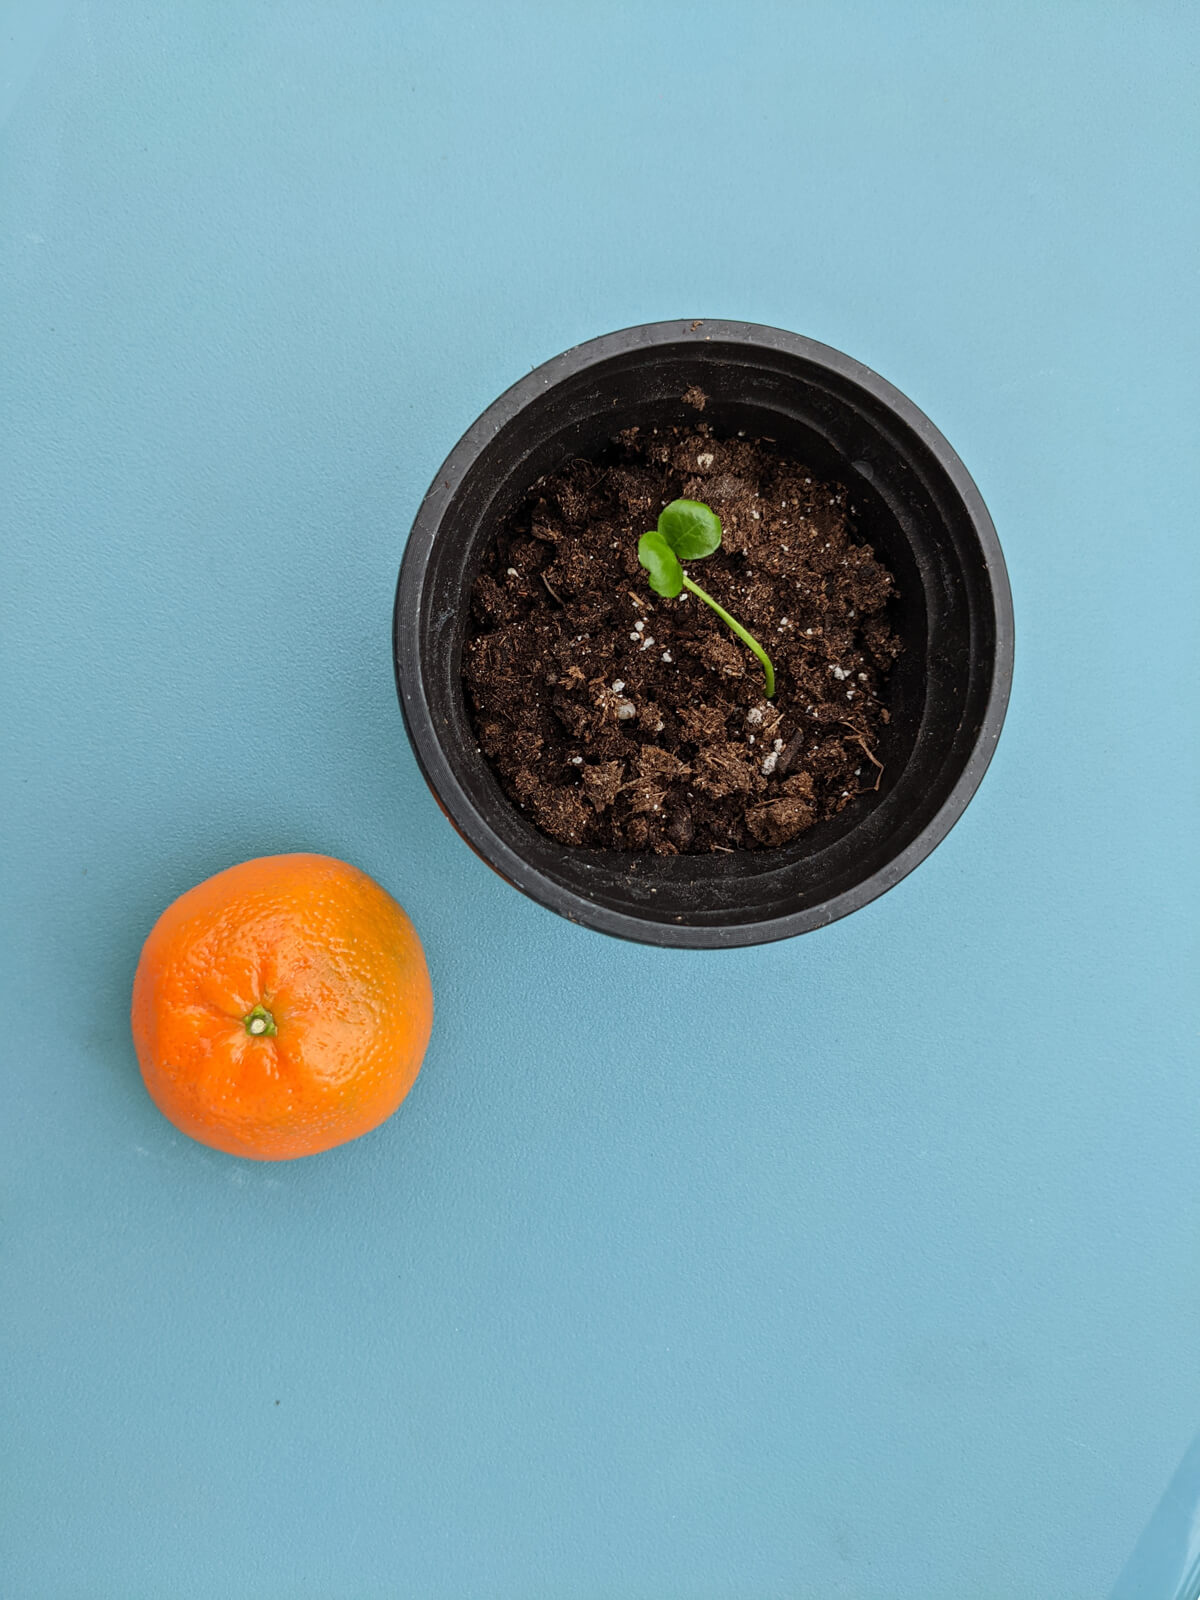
<point>861,1266</point>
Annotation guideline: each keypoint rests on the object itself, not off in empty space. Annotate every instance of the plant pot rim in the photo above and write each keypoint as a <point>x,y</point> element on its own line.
<point>458,805</point>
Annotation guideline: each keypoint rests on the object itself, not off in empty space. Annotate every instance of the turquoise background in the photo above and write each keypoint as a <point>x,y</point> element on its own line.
<point>865,1265</point>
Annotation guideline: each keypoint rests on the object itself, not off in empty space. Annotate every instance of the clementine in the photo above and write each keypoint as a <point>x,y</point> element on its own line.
<point>281,1007</point>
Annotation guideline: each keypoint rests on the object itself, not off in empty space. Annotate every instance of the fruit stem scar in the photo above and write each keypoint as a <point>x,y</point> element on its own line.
<point>260,1023</point>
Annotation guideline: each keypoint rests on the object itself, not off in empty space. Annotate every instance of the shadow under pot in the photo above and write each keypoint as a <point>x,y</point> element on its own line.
<point>915,505</point>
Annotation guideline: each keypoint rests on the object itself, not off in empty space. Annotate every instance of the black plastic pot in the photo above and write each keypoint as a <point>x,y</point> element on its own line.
<point>915,503</point>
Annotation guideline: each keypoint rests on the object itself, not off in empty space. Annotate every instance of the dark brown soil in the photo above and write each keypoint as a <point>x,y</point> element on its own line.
<point>617,719</point>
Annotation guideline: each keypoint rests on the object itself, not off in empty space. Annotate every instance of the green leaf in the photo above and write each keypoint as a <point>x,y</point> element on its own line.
<point>660,561</point>
<point>688,530</point>
<point>691,528</point>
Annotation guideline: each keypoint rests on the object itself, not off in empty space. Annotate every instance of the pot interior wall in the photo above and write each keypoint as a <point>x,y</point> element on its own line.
<point>904,506</point>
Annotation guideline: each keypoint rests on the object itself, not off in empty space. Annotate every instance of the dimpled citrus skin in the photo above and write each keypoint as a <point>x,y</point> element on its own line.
<point>336,966</point>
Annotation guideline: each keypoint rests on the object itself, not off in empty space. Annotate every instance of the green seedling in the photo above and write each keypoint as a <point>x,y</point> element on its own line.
<point>688,530</point>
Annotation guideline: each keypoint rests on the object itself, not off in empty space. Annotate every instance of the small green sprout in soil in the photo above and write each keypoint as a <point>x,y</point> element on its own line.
<point>688,530</point>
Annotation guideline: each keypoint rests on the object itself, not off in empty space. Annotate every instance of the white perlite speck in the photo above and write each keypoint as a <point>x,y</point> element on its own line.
<point>706,459</point>
<point>754,716</point>
<point>626,711</point>
<point>666,655</point>
<point>618,685</point>
<point>839,673</point>
<point>576,761</point>
<point>769,762</point>
<point>513,573</point>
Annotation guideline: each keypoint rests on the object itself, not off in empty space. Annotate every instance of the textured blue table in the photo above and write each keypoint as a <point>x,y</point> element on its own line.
<point>864,1265</point>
